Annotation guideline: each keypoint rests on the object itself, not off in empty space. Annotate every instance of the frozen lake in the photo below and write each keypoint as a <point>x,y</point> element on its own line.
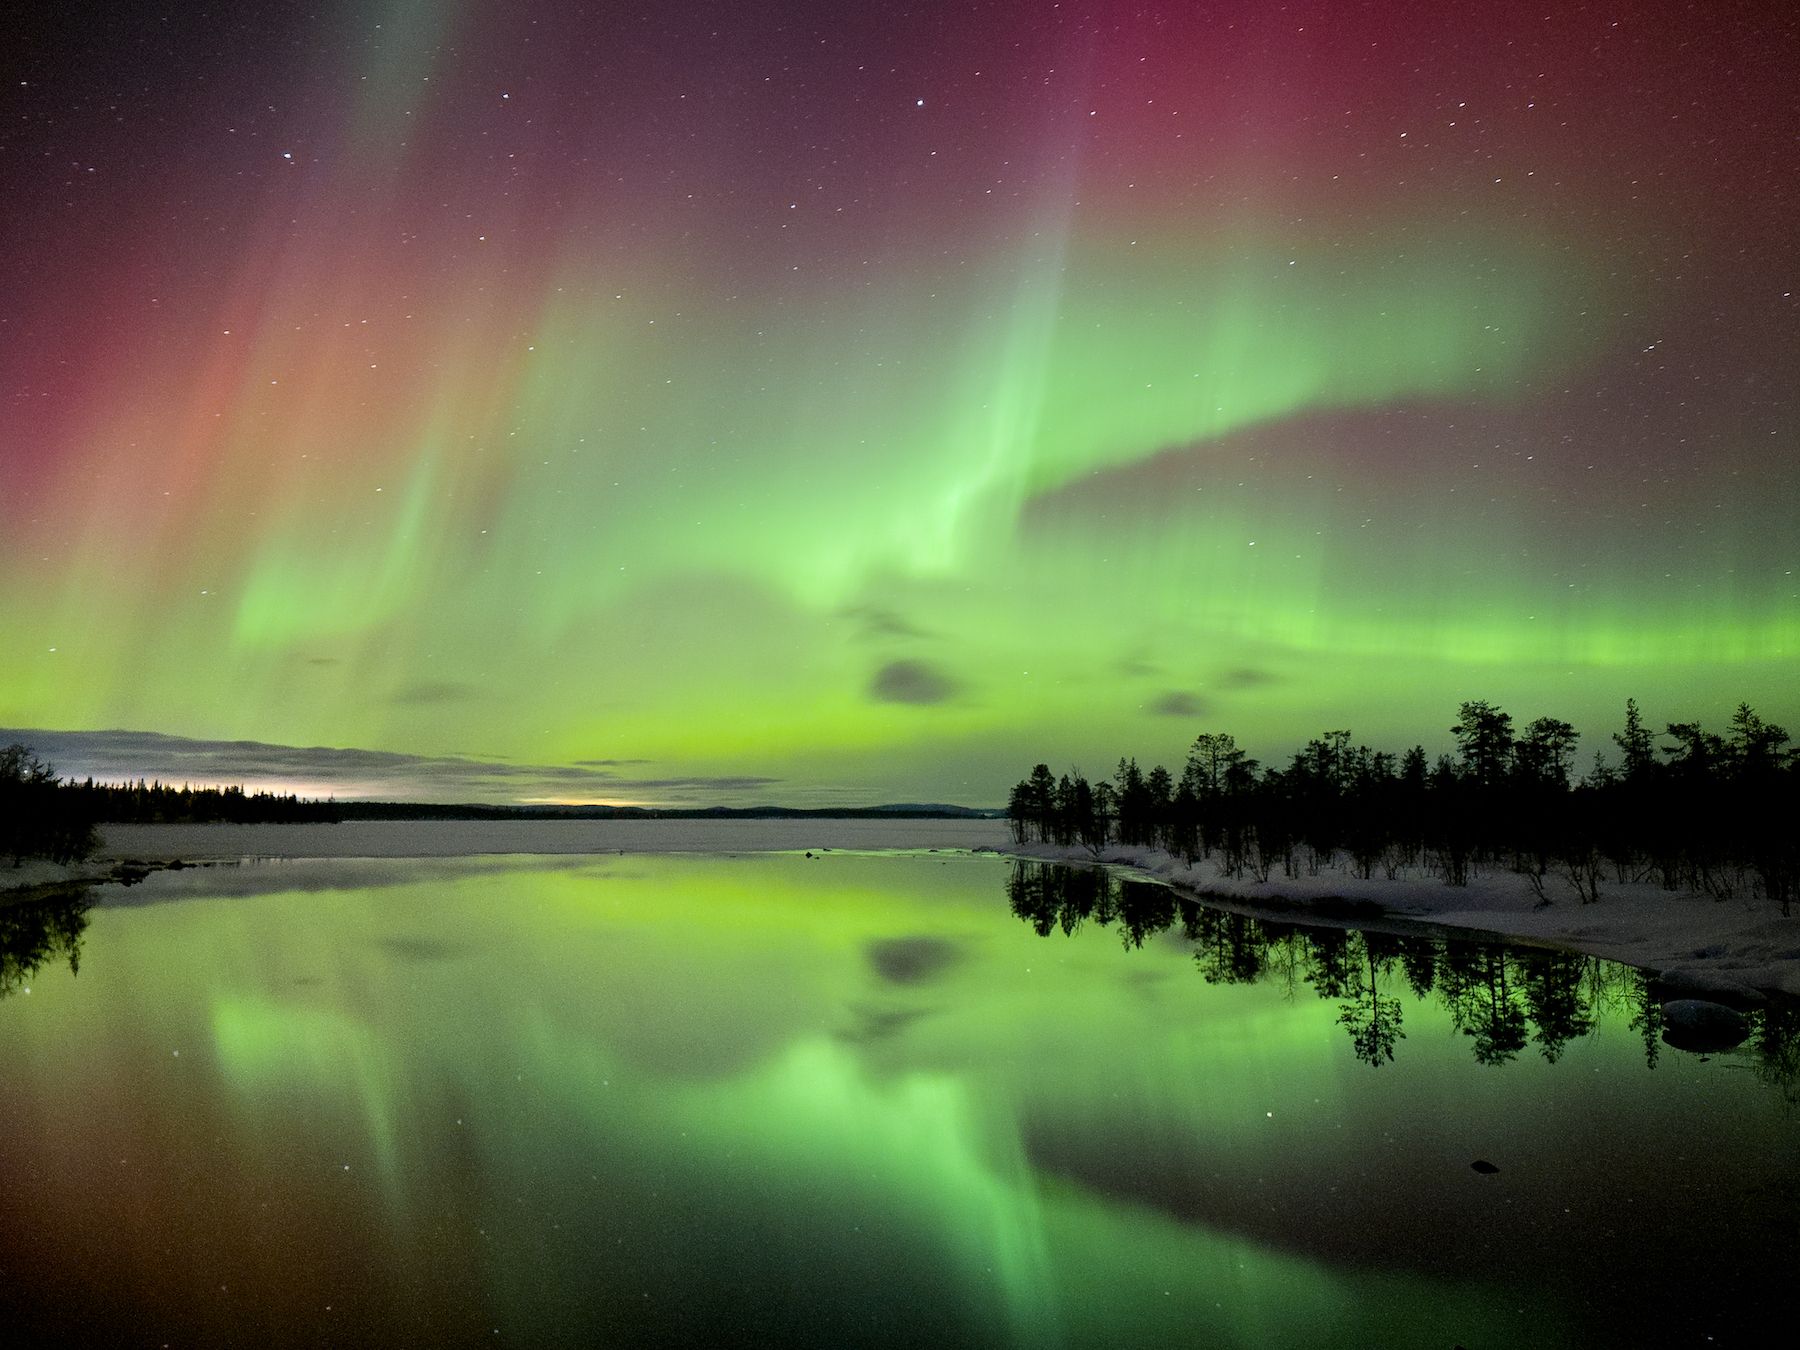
<point>454,838</point>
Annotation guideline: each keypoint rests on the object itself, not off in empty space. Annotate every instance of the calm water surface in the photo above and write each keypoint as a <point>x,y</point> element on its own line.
<point>850,1100</point>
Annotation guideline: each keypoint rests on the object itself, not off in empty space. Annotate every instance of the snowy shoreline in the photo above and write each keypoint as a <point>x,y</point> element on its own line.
<point>1710,948</point>
<point>1732,949</point>
<point>128,852</point>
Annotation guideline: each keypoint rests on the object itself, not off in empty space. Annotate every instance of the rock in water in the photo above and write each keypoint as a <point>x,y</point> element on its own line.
<point>1701,1026</point>
<point>1483,1166</point>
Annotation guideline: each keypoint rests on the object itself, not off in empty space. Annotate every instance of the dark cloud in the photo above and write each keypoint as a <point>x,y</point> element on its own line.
<point>723,783</point>
<point>912,960</point>
<point>911,682</point>
<point>350,772</point>
<point>1177,703</point>
<point>1285,453</point>
<point>873,621</point>
<point>423,948</point>
<point>430,693</point>
<point>1247,677</point>
<point>1135,668</point>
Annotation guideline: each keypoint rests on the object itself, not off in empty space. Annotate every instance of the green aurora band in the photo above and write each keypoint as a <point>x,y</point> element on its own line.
<point>882,507</point>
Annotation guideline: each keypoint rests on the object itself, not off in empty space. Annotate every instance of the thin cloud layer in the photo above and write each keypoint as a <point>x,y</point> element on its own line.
<point>348,772</point>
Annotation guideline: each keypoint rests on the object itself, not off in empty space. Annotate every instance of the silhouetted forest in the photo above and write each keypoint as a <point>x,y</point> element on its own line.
<point>38,819</point>
<point>153,803</point>
<point>1703,812</point>
<point>1505,1000</point>
<point>43,816</point>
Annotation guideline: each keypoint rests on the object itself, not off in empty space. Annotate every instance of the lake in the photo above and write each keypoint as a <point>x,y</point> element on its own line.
<point>851,1099</point>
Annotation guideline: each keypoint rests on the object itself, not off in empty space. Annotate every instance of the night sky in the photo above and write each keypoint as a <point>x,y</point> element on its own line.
<point>822,402</point>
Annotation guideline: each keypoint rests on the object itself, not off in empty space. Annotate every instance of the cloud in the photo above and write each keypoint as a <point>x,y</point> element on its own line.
<point>722,783</point>
<point>1247,677</point>
<point>911,682</point>
<point>873,621</point>
<point>348,772</point>
<point>1177,703</point>
<point>912,960</point>
<point>429,693</point>
<point>880,1024</point>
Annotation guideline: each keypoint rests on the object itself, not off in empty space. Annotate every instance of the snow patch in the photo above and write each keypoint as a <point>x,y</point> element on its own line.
<point>1723,949</point>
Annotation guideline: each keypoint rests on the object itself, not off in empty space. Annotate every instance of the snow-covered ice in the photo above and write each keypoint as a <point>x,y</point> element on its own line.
<point>1702,946</point>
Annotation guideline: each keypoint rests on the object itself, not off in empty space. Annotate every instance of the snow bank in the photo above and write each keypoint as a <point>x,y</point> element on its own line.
<point>38,875</point>
<point>1712,948</point>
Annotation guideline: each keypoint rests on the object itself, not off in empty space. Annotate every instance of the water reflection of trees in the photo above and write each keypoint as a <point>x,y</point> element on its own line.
<point>1505,1000</point>
<point>35,931</point>
<point>1775,1039</point>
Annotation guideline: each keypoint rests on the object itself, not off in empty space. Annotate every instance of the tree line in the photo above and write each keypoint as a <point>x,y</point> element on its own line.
<point>1687,808</point>
<point>43,816</point>
<point>37,819</point>
<point>142,803</point>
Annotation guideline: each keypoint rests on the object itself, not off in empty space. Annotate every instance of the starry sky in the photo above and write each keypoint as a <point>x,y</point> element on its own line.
<point>819,403</point>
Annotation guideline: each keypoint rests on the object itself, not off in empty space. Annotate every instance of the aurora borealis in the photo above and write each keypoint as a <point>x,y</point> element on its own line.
<point>825,403</point>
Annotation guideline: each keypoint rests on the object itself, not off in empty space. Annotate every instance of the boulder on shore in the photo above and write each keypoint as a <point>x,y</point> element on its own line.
<point>1701,1026</point>
<point>1691,982</point>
